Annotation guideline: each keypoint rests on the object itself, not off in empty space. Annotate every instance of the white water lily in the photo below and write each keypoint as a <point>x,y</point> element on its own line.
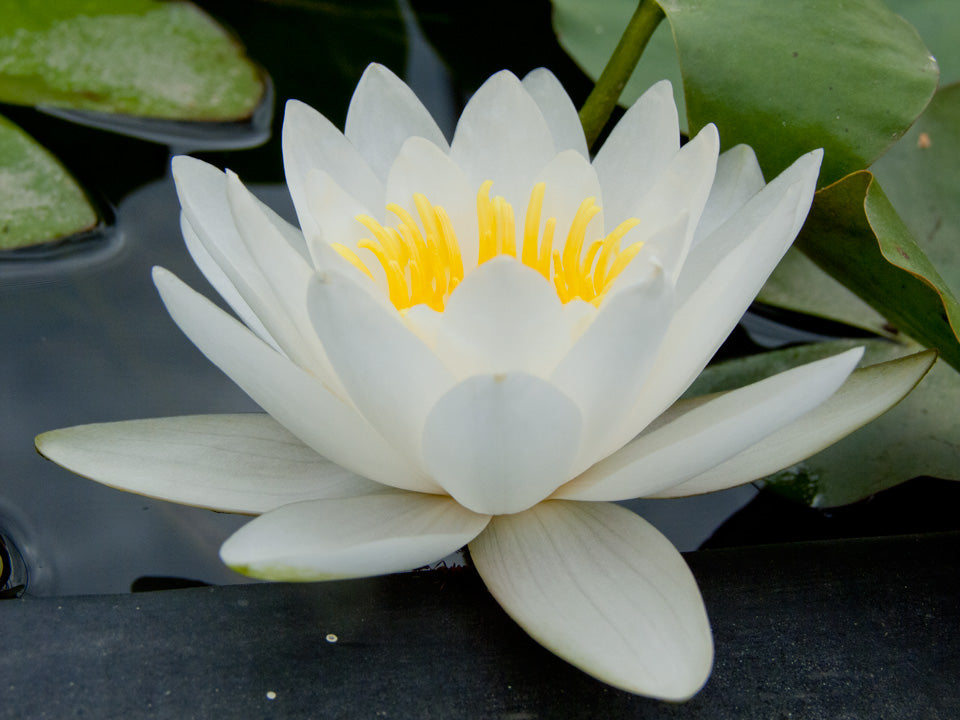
<point>483,343</point>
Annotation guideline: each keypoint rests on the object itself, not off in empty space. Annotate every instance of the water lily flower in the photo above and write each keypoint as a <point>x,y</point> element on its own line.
<point>483,343</point>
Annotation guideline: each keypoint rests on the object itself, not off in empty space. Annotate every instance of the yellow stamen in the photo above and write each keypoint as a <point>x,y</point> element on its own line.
<point>422,262</point>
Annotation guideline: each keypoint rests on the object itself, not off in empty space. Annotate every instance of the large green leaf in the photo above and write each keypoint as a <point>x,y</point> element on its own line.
<point>854,234</point>
<point>39,200</point>
<point>137,57</point>
<point>937,21</point>
<point>920,436</point>
<point>589,31</point>
<point>788,77</point>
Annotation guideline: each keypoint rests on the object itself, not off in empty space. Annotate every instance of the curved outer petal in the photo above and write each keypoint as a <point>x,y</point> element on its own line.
<point>383,113</point>
<point>295,399</point>
<point>422,167</point>
<point>503,136</point>
<point>351,537</point>
<point>558,110</point>
<point>738,179</point>
<point>500,443</point>
<point>637,150</point>
<point>503,317</point>
<point>310,142</point>
<point>602,371</point>
<point>232,463</point>
<point>711,433</point>
<point>711,298</point>
<point>600,587</point>
<point>393,378</point>
<point>867,394</point>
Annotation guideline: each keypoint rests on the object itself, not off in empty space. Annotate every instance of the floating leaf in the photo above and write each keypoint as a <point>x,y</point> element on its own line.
<point>920,436</point>
<point>39,200</point>
<point>854,234</point>
<point>786,78</point>
<point>937,22</point>
<point>137,57</point>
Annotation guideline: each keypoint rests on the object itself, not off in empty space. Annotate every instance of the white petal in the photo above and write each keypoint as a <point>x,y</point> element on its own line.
<point>570,179</point>
<point>391,376</point>
<point>867,394</point>
<point>311,142</point>
<point>637,150</point>
<point>600,587</point>
<point>500,443</point>
<point>383,113</point>
<point>711,433</point>
<point>422,167</point>
<point>712,297</point>
<point>221,283</point>
<point>503,317</point>
<point>558,110</point>
<point>502,136</point>
<point>231,463</point>
<point>607,364</point>
<point>334,212</point>
<point>351,537</point>
<point>738,179</point>
<point>295,399</point>
<point>681,188</point>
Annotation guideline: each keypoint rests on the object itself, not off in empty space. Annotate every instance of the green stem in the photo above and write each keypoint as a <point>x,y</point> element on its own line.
<point>605,94</point>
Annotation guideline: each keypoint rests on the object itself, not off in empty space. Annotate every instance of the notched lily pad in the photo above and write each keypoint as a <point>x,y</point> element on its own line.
<point>39,200</point>
<point>136,57</point>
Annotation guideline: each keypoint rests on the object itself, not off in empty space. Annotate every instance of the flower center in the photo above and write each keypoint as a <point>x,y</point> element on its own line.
<point>423,264</point>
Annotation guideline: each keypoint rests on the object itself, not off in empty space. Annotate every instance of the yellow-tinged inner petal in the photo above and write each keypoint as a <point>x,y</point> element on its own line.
<point>423,264</point>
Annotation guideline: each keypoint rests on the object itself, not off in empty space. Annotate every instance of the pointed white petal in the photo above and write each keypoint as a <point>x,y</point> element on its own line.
<point>711,433</point>
<point>351,537</point>
<point>712,297</point>
<point>738,179</point>
<point>503,317</point>
<point>502,136</point>
<point>311,142</point>
<point>295,399</point>
<point>500,443</point>
<point>607,364</point>
<point>558,110</point>
<point>232,463</point>
<point>867,394</point>
<point>637,150</point>
<point>422,167</point>
<point>600,587</point>
<point>391,376</point>
<point>383,113</point>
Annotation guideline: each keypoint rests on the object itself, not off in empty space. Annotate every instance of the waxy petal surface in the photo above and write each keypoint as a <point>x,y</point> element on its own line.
<point>558,110</point>
<point>603,589</point>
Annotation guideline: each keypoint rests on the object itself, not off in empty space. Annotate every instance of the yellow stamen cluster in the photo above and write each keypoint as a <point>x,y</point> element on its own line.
<point>424,267</point>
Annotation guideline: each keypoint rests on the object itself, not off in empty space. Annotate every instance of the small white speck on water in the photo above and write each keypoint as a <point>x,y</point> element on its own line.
<point>271,695</point>
<point>331,638</point>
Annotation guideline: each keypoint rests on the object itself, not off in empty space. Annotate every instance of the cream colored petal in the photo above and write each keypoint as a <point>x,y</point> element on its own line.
<point>738,179</point>
<point>600,587</point>
<point>867,394</point>
<point>351,537</point>
<point>711,433</point>
<point>392,377</point>
<point>637,150</point>
<point>558,110</point>
<point>311,142</point>
<point>500,443</point>
<point>605,368</point>
<point>383,113</point>
<point>502,136</point>
<point>295,399</point>
<point>503,317</point>
<point>232,463</point>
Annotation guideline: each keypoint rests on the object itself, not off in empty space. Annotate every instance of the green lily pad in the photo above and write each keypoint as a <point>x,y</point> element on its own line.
<point>920,436</point>
<point>589,31</point>
<point>146,58</point>
<point>937,22</point>
<point>854,234</point>
<point>39,200</point>
<point>786,78</point>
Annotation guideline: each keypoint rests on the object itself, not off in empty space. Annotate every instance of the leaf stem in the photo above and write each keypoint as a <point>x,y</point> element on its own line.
<point>605,94</point>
